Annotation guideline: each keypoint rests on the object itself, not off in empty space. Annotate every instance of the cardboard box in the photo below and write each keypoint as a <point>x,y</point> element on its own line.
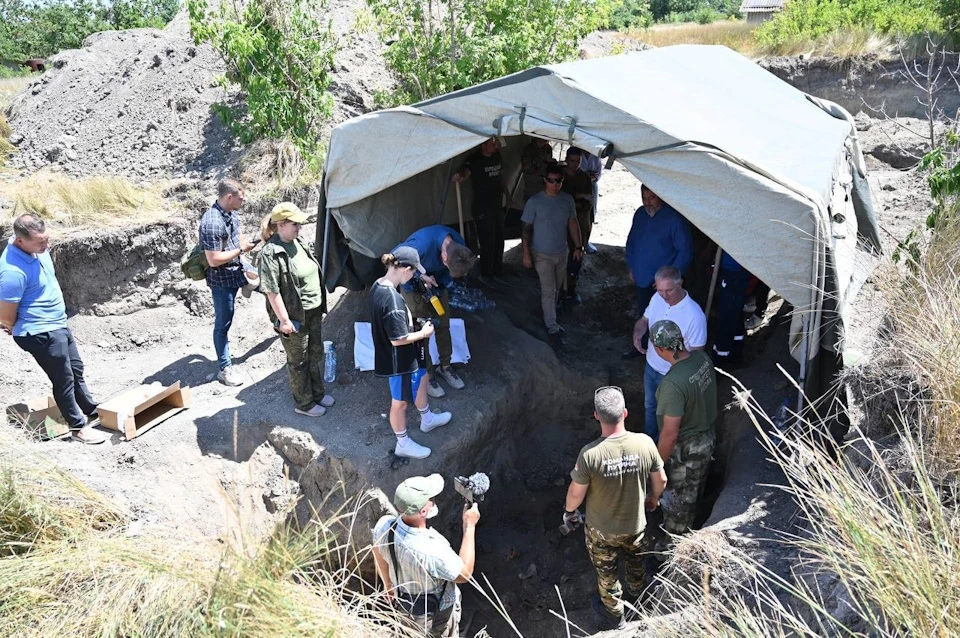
<point>139,409</point>
<point>40,417</point>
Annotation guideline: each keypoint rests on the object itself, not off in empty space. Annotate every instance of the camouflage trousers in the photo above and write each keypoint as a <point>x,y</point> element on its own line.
<point>604,551</point>
<point>687,470</point>
<point>304,350</point>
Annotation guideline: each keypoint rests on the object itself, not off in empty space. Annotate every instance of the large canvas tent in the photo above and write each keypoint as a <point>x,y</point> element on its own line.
<point>772,175</point>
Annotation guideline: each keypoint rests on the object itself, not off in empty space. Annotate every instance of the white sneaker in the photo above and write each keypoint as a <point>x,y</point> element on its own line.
<point>88,435</point>
<point>317,410</point>
<point>327,401</point>
<point>230,376</point>
<point>433,420</point>
<point>411,449</point>
<point>450,375</point>
<point>752,322</point>
<point>435,390</point>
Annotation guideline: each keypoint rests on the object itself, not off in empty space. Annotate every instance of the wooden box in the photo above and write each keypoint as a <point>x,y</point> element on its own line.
<point>39,416</point>
<point>139,409</point>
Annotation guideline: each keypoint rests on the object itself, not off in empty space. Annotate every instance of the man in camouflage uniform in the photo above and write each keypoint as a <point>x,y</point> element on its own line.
<point>612,474</point>
<point>686,418</point>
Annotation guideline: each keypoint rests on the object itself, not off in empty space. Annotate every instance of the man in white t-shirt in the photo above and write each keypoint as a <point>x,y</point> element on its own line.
<point>674,303</point>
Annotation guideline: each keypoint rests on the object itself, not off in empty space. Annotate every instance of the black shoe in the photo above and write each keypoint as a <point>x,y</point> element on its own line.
<point>557,340</point>
<point>607,620</point>
<point>632,353</point>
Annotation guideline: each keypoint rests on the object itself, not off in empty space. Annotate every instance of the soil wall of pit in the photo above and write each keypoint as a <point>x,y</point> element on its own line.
<point>873,86</point>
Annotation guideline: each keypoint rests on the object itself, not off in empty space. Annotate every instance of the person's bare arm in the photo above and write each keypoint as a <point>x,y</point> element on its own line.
<point>468,552</point>
<point>575,495</point>
<point>574,229</point>
<point>220,257</point>
<point>8,315</point>
<point>526,238</point>
<point>279,309</point>
<point>413,337</point>
<point>658,483</point>
<point>668,436</point>
<point>383,570</point>
<point>640,329</point>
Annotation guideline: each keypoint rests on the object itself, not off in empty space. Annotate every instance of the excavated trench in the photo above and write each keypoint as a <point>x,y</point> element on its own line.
<point>525,414</point>
<point>522,420</point>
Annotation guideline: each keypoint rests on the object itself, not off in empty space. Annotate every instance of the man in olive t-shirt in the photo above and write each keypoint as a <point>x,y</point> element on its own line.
<point>612,473</point>
<point>686,417</point>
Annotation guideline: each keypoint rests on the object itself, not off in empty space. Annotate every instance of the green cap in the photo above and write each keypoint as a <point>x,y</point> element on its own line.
<point>412,495</point>
<point>666,334</point>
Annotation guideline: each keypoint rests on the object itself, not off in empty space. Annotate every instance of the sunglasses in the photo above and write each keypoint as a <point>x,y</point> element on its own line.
<point>553,180</point>
<point>608,387</point>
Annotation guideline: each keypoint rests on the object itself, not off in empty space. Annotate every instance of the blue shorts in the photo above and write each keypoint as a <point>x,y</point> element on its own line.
<point>404,387</point>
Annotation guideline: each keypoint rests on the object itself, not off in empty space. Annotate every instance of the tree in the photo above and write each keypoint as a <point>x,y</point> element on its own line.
<point>281,57</point>
<point>438,46</point>
<point>41,29</point>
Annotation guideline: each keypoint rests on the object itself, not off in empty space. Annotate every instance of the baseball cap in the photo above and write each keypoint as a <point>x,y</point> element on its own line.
<point>666,334</point>
<point>407,256</point>
<point>412,495</point>
<point>289,212</point>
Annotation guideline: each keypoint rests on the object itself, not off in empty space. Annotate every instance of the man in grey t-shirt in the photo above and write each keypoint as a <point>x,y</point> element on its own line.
<point>547,218</point>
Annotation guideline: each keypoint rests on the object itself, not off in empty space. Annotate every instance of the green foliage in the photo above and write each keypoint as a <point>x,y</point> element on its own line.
<point>812,19</point>
<point>630,14</point>
<point>490,38</point>
<point>281,57</point>
<point>40,29</point>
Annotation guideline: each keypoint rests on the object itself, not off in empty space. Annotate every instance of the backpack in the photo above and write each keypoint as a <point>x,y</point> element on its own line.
<point>194,264</point>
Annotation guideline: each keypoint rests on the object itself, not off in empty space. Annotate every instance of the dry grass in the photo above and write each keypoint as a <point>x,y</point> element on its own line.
<point>271,163</point>
<point>9,87</point>
<point>740,36</point>
<point>93,202</point>
<point>736,35</point>
<point>878,527</point>
<point>923,302</point>
<point>66,570</point>
<point>6,148</point>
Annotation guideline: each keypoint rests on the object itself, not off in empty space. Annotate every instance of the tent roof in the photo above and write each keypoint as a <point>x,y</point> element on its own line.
<point>747,158</point>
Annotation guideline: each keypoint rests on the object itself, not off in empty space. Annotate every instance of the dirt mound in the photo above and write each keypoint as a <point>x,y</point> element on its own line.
<point>138,103</point>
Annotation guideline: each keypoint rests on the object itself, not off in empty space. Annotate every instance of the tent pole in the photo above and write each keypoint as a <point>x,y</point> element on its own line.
<point>446,191</point>
<point>326,244</point>
<point>713,280</point>
<point>460,209</point>
<point>804,360</point>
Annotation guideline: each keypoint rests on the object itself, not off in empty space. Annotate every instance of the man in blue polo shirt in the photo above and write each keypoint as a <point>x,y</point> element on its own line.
<point>659,236</point>
<point>445,256</point>
<point>32,310</point>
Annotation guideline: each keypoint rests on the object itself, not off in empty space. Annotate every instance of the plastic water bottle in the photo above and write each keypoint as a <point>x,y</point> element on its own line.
<point>329,362</point>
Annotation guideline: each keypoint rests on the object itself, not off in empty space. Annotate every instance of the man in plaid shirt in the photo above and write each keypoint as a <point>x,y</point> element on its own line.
<point>222,244</point>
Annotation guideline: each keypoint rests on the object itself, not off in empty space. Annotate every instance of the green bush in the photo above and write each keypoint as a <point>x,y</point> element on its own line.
<point>281,57</point>
<point>433,51</point>
<point>813,19</point>
<point>630,14</point>
<point>40,29</point>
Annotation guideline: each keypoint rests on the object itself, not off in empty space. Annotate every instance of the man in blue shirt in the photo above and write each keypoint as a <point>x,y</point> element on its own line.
<point>222,245</point>
<point>659,236</point>
<point>32,310</point>
<point>445,256</point>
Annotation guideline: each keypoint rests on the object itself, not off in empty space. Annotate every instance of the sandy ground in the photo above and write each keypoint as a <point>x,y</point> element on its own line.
<point>187,476</point>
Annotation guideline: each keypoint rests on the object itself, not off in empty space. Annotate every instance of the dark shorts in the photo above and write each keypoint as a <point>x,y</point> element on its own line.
<point>403,387</point>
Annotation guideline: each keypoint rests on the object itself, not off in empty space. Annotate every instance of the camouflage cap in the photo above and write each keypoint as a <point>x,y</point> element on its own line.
<point>666,334</point>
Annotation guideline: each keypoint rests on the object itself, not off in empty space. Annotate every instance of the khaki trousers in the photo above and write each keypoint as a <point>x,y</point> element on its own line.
<point>552,271</point>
